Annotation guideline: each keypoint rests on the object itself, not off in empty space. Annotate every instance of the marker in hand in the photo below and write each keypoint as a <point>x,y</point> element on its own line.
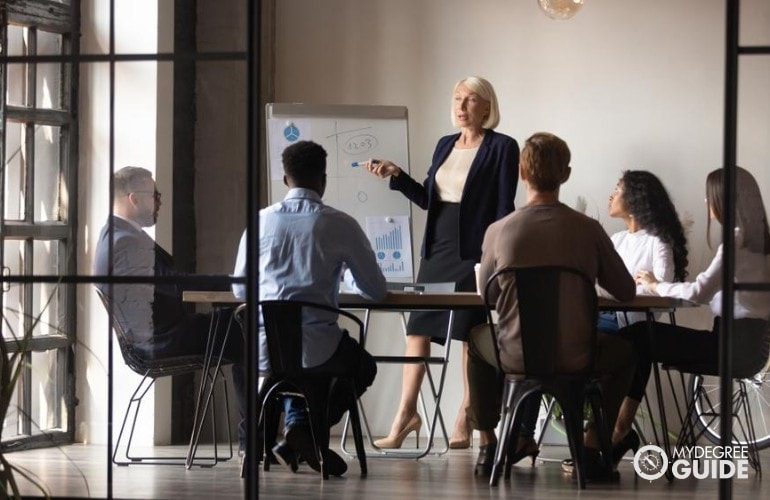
<point>363,163</point>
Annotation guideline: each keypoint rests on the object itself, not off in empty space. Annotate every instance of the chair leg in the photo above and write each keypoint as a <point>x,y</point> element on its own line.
<point>572,408</point>
<point>318,417</point>
<point>134,402</point>
<point>211,410</point>
<point>358,436</point>
<point>229,456</point>
<point>268,420</point>
<point>748,431</point>
<point>318,449</point>
<point>514,429</point>
<point>546,422</point>
<point>506,419</point>
<point>602,427</point>
<point>687,435</point>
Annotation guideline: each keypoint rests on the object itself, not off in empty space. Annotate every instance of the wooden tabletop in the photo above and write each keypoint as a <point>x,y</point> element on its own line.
<point>454,300</point>
<point>205,297</point>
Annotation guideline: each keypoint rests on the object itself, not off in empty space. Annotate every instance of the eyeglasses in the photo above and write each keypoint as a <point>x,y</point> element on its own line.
<point>155,194</point>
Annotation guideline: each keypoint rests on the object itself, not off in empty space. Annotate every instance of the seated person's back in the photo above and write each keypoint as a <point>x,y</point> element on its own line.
<point>304,247</point>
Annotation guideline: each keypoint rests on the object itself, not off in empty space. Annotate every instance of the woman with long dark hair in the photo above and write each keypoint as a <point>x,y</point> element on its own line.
<point>653,240</point>
<point>674,344</point>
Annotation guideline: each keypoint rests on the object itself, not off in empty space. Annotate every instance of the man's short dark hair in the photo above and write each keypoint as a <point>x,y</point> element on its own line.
<point>304,162</point>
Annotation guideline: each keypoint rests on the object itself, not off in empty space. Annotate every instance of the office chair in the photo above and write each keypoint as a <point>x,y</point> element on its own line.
<point>551,344</point>
<point>282,321</point>
<point>151,370</point>
<point>703,409</point>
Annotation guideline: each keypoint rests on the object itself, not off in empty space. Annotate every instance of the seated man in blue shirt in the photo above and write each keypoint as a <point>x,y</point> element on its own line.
<point>304,247</point>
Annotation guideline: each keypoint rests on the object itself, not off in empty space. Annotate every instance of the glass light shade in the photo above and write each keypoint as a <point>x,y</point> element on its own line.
<point>560,9</point>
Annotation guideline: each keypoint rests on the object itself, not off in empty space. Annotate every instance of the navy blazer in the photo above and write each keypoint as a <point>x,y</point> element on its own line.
<point>487,195</point>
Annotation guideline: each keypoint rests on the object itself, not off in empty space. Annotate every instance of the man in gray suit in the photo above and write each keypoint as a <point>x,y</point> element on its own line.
<point>153,315</point>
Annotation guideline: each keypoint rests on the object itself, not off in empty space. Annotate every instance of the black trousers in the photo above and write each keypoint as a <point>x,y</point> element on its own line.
<point>349,360</point>
<point>679,345</point>
<point>330,402</point>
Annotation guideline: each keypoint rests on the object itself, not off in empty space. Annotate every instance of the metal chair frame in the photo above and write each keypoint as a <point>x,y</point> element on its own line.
<point>150,370</point>
<point>287,373</point>
<point>571,388</point>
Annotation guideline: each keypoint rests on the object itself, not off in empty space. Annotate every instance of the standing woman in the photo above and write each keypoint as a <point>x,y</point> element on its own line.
<point>471,183</point>
<point>673,344</point>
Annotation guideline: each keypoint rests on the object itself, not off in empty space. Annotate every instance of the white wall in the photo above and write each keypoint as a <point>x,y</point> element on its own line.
<point>628,85</point>
<point>142,138</point>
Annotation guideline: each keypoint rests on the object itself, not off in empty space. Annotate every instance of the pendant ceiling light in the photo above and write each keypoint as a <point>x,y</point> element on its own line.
<point>560,9</point>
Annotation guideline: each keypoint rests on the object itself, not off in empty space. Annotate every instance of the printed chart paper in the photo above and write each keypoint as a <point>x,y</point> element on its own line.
<point>392,243</point>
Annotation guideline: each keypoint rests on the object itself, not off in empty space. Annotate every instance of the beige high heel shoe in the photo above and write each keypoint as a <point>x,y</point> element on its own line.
<point>458,443</point>
<point>392,442</point>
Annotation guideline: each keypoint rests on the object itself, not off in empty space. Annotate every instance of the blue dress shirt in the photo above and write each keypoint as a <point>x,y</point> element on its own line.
<point>304,246</point>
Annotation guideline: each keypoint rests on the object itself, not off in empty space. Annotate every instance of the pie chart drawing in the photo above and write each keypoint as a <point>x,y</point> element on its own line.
<point>291,132</point>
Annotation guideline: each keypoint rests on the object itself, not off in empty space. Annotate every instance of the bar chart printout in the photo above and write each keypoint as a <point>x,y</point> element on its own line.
<point>392,244</point>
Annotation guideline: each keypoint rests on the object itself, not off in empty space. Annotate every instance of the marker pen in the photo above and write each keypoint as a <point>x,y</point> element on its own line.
<point>363,163</point>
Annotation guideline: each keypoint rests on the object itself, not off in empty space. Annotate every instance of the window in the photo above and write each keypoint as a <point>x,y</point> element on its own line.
<point>37,228</point>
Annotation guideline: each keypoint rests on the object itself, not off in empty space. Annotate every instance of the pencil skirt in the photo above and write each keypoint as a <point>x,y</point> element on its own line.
<point>444,265</point>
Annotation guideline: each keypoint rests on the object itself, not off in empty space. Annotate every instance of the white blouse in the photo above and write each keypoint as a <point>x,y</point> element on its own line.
<point>707,287</point>
<point>642,251</point>
<point>451,175</point>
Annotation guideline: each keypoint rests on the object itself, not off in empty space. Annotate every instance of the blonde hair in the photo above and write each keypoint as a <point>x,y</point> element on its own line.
<point>483,89</point>
<point>545,158</point>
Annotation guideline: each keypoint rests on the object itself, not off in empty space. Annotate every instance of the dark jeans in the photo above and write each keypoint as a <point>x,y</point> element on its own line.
<point>699,349</point>
<point>608,322</point>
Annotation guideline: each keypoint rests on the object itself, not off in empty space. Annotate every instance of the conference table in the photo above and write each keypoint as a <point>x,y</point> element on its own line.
<point>405,301</point>
<point>411,301</point>
<point>442,301</point>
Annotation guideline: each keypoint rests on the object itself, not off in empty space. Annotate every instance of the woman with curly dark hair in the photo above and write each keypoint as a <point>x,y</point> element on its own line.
<point>654,238</point>
<point>653,242</point>
<point>677,344</point>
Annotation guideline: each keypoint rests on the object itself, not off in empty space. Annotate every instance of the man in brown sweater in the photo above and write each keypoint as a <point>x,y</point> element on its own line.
<point>544,232</point>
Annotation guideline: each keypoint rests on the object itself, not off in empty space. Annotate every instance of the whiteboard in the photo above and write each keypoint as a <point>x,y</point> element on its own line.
<point>349,134</point>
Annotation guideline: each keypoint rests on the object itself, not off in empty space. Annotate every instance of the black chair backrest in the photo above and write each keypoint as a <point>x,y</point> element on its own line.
<point>557,311</point>
<point>131,358</point>
<point>282,321</point>
<point>139,362</point>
